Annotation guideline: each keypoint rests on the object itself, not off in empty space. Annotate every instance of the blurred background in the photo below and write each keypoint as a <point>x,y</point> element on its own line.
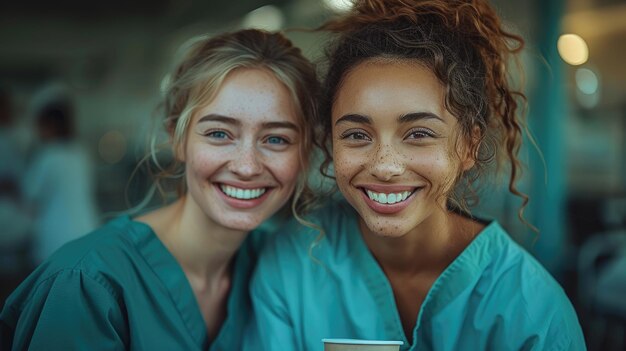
<point>96,68</point>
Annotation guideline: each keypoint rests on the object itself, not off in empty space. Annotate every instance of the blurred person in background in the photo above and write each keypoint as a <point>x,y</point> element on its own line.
<point>239,111</point>
<point>59,181</point>
<point>14,219</point>
<point>11,156</point>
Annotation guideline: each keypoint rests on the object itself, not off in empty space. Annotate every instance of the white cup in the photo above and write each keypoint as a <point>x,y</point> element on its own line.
<point>361,345</point>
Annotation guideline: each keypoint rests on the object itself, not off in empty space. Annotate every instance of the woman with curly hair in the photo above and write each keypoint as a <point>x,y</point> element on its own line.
<point>419,112</point>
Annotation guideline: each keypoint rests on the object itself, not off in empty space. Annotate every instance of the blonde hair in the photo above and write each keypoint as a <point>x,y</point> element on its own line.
<point>199,74</point>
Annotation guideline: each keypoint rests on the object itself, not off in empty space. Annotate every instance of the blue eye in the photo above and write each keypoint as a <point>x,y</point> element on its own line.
<point>218,134</point>
<point>276,140</point>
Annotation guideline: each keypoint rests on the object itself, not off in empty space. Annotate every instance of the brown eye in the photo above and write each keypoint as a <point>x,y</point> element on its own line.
<point>420,133</point>
<point>355,136</point>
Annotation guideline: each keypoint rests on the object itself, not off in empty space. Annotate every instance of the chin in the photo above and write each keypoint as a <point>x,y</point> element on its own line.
<point>390,233</point>
<point>245,227</point>
<point>240,224</point>
<point>386,228</point>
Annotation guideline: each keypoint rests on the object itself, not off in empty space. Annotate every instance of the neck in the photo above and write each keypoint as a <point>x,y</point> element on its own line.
<point>203,248</point>
<point>428,248</point>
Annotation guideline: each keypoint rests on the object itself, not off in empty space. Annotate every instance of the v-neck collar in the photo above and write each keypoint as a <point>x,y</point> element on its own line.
<point>238,300</point>
<point>465,268</point>
<point>170,273</point>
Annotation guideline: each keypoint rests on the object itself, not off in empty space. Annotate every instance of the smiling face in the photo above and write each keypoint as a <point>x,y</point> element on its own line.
<point>394,146</point>
<point>241,151</point>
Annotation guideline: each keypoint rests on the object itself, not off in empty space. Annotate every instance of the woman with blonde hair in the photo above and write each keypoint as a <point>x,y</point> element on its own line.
<point>419,111</point>
<point>239,110</point>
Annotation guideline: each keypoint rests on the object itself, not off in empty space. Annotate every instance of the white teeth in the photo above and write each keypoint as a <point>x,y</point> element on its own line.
<point>391,198</point>
<point>372,195</point>
<point>382,198</point>
<point>242,194</point>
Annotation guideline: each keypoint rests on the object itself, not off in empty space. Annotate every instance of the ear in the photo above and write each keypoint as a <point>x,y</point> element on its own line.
<point>470,154</point>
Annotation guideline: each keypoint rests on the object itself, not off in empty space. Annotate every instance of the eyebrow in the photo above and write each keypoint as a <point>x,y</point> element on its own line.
<point>406,118</point>
<point>233,121</point>
<point>416,116</point>
<point>276,125</point>
<point>219,118</point>
<point>355,118</point>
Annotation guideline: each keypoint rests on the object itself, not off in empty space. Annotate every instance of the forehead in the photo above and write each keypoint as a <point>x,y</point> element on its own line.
<point>382,87</point>
<point>252,95</point>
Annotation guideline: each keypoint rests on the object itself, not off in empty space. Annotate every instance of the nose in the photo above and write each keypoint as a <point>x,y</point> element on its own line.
<point>386,163</point>
<point>246,162</point>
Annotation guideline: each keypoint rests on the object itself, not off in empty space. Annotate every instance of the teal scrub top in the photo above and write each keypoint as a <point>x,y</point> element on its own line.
<point>120,288</point>
<point>493,296</point>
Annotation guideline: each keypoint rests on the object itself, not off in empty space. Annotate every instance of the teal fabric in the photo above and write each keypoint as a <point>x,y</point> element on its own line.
<point>494,296</point>
<point>120,288</point>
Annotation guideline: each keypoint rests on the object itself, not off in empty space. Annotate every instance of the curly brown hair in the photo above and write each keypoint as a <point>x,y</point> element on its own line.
<point>465,45</point>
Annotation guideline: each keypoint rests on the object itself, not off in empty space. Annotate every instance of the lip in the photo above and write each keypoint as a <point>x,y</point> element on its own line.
<point>389,208</point>
<point>242,204</point>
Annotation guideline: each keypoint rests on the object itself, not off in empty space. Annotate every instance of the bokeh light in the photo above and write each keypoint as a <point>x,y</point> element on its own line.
<point>112,146</point>
<point>586,81</point>
<point>268,17</point>
<point>338,5</point>
<point>573,49</point>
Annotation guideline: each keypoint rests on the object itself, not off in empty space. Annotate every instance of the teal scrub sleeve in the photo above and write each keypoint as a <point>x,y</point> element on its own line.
<point>272,322</point>
<point>68,311</point>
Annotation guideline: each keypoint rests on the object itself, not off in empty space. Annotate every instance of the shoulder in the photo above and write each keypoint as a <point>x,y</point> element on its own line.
<point>70,299</point>
<point>110,244</point>
<point>296,247</point>
<point>103,257</point>
<point>526,295</point>
<point>321,229</point>
<point>511,263</point>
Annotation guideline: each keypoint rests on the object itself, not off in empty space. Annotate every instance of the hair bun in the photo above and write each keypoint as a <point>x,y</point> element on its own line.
<point>474,19</point>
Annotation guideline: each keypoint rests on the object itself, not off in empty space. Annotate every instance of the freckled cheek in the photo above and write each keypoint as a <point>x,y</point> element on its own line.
<point>431,164</point>
<point>347,164</point>
<point>285,167</point>
<point>206,162</point>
